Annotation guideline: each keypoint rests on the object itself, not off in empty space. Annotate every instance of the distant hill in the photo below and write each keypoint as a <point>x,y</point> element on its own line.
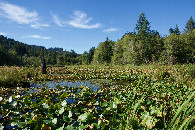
<point>17,53</point>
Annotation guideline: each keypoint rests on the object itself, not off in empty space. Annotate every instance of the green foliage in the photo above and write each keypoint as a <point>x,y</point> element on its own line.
<point>143,46</point>
<point>190,25</point>
<point>142,26</point>
<point>104,52</point>
<point>147,46</point>
<point>175,30</point>
<point>144,103</point>
<point>180,48</point>
<point>123,50</point>
<point>20,54</point>
<point>138,49</point>
<point>15,76</point>
<point>91,54</point>
<point>85,59</point>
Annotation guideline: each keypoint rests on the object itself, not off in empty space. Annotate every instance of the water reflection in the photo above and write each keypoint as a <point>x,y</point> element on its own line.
<point>53,84</point>
<point>93,84</point>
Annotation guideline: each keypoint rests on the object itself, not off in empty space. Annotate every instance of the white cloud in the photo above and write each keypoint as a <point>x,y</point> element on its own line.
<point>1,33</point>
<point>80,20</point>
<point>39,25</point>
<point>110,30</point>
<point>57,20</point>
<point>38,37</point>
<point>20,15</point>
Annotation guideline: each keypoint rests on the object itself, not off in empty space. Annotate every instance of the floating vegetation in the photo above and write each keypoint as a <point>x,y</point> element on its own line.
<point>147,100</point>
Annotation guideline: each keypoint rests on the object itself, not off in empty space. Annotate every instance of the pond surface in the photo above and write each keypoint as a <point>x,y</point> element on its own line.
<point>93,84</point>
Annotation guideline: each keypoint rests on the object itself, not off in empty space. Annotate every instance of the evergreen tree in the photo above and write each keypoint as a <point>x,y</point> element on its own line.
<point>147,43</point>
<point>107,48</point>
<point>177,30</point>
<point>171,31</point>
<point>190,25</point>
<point>142,26</point>
<point>91,54</point>
<point>142,45</point>
<point>174,31</point>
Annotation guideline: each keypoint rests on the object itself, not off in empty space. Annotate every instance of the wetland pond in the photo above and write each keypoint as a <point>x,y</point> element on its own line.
<point>93,84</point>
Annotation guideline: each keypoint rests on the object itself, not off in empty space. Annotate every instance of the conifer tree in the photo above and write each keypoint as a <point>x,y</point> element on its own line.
<point>190,25</point>
<point>175,30</point>
<point>142,26</point>
<point>91,54</point>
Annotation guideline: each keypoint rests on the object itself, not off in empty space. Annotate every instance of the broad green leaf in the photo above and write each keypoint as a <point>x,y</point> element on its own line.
<point>61,110</point>
<point>10,99</point>
<point>70,114</point>
<point>55,120</point>
<point>96,103</point>
<point>14,103</point>
<point>21,124</point>
<point>61,128</point>
<point>45,105</point>
<point>66,118</point>
<point>46,121</point>
<point>64,103</point>
<point>83,117</point>
<point>148,120</point>
<point>104,104</point>
<point>69,127</point>
<point>1,127</point>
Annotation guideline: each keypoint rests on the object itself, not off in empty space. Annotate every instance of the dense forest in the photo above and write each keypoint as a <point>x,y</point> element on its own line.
<point>142,46</point>
<point>16,53</point>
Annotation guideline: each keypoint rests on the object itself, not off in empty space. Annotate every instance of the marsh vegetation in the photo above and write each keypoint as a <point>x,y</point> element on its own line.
<point>150,97</point>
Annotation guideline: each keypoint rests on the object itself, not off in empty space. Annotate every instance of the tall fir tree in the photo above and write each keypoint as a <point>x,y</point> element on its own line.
<point>142,47</point>
<point>190,25</point>
<point>175,30</point>
<point>142,26</point>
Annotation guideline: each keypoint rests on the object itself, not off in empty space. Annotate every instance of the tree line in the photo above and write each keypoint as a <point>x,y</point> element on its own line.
<point>142,46</point>
<point>146,46</point>
<point>17,53</point>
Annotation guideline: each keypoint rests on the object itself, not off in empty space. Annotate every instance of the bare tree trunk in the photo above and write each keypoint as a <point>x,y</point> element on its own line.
<point>43,65</point>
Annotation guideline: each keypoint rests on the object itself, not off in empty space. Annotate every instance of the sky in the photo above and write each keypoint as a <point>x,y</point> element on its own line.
<point>82,24</point>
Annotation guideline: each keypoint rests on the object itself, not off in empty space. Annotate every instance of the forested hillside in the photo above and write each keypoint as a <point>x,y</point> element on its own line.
<point>16,53</point>
<point>142,46</point>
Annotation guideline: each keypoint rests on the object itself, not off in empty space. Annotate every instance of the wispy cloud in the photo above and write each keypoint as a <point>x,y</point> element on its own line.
<point>20,15</point>
<point>80,20</point>
<point>57,20</point>
<point>39,25</point>
<point>38,37</point>
<point>1,33</point>
<point>110,30</point>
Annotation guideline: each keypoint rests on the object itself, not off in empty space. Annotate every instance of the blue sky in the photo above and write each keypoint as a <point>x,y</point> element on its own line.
<point>82,24</point>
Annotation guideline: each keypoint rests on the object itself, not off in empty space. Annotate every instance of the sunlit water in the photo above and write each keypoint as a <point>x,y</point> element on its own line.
<point>53,84</point>
<point>93,84</point>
